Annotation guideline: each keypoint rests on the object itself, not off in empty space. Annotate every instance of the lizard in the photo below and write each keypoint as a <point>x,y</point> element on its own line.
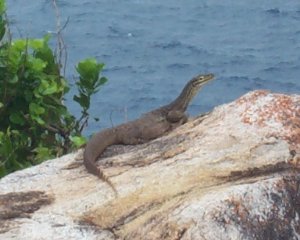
<point>149,126</point>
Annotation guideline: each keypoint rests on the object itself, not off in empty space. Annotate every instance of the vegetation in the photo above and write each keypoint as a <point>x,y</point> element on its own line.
<point>35,125</point>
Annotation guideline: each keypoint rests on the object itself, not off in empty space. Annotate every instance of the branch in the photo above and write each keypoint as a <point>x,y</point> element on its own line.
<point>61,50</point>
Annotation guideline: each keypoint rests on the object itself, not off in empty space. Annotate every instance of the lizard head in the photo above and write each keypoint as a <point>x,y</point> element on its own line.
<point>200,80</point>
<point>194,85</point>
<point>189,91</point>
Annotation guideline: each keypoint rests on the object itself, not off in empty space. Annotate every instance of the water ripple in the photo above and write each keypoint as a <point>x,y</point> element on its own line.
<point>151,48</point>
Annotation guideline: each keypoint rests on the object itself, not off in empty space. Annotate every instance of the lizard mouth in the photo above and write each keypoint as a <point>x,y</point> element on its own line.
<point>203,78</point>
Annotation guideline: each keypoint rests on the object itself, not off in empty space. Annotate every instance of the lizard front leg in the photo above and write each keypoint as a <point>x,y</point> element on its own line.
<point>176,116</point>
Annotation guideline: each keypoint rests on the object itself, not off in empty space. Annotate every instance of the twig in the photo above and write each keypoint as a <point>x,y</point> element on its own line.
<point>9,35</point>
<point>61,50</point>
<point>84,124</point>
<point>110,118</point>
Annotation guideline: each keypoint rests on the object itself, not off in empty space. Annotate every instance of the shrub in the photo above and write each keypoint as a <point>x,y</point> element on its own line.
<point>35,125</point>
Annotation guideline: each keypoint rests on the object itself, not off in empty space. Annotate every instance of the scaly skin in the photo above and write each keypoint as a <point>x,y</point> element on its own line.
<point>149,126</point>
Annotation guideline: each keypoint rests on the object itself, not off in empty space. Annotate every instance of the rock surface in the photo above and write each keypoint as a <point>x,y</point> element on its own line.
<point>231,174</point>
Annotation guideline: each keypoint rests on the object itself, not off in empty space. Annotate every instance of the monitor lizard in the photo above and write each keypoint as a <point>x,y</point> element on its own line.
<point>149,126</point>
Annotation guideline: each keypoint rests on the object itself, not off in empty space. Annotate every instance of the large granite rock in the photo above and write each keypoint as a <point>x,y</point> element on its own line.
<point>231,174</point>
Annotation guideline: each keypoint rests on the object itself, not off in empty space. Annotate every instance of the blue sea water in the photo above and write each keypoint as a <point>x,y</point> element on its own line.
<point>152,48</point>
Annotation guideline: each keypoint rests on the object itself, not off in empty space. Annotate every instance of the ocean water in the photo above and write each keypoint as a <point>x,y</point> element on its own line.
<point>152,48</point>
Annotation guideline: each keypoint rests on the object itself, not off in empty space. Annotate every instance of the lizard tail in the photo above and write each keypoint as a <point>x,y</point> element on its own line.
<point>106,179</point>
<point>98,143</point>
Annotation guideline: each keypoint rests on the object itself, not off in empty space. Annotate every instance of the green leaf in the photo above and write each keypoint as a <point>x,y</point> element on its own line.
<point>46,38</point>
<point>51,89</point>
<point>38,119</point>
<point>15,132</point>
<point>1,137</point>
<point>14,79</point>
<point>2,29</point>
<point>103,80</point>
<point>1,105</point>
<point>83,100</point>
<point>36,109</point>
<point>78,141</point>
<point>47,87</point>
<point>19,45</point>
<point>37,64</point>
<point>28,95</point>
<point>89,71</point>
<point>62,84</point>
<point>36,43</point>
<point>42,153</point>
<point>43,86</point>
<point>2,6</point>
<point>17,118</point>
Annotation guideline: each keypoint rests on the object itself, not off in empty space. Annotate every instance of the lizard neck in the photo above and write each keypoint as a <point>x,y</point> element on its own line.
<point>183,100</point>
<point>188,93</point>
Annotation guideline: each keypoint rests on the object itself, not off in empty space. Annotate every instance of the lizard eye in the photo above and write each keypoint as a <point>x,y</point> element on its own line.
<point>201,78</point>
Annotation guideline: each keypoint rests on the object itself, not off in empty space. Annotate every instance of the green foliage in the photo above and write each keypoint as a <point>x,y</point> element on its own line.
<point>88,84</point>
<point>34,122</point>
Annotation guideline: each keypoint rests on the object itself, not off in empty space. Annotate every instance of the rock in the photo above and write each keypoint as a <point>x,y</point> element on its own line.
<point>230,174</point>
